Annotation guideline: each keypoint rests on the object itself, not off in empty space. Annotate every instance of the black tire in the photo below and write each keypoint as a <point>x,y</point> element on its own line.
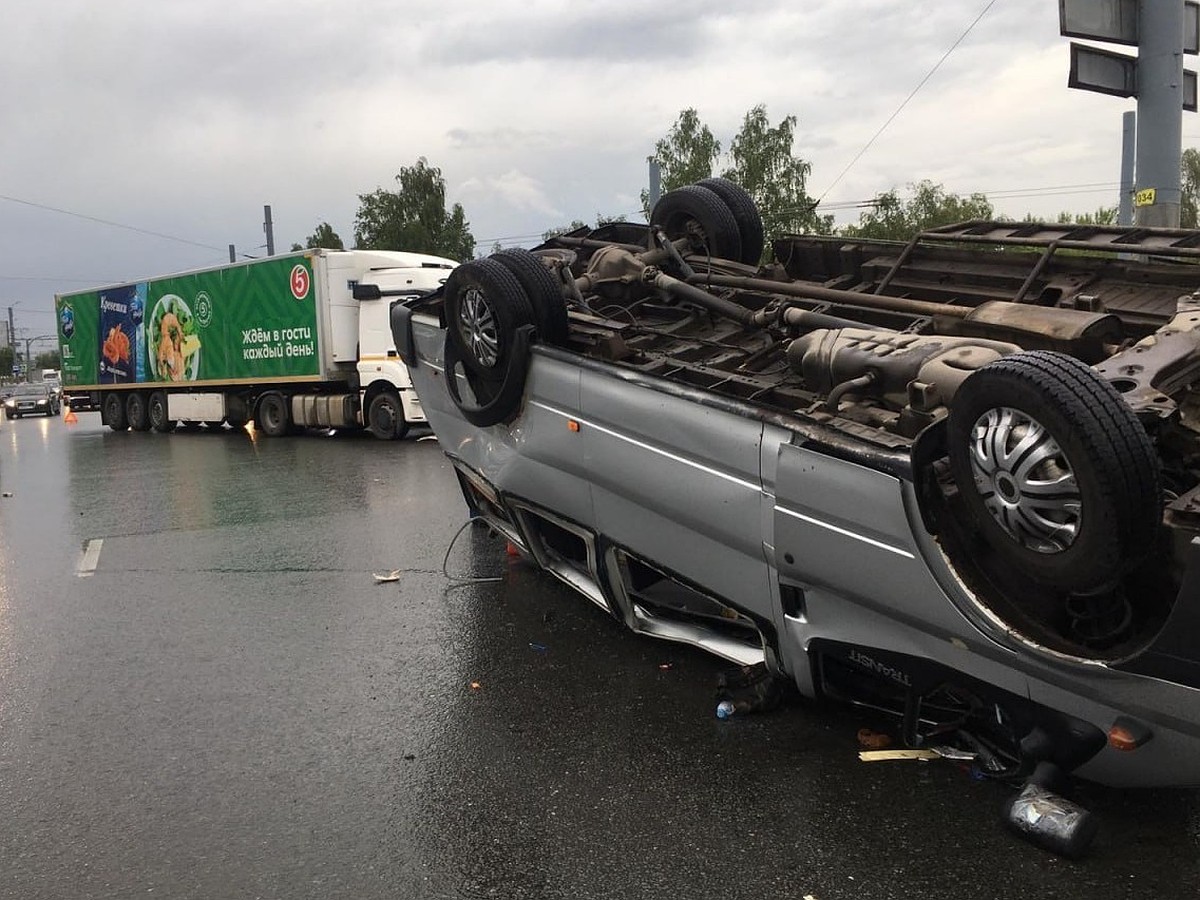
<point>698,214</point>
<point>385,417</point>
<point>1076,533</point>
<point>545,293</point>
<point>745,213</point>
<point>135,411</point>
<point>156,409</point>
<point>484,306</point>
<point>113,407</point>
<point>494,401</point>
<point>273,418</point>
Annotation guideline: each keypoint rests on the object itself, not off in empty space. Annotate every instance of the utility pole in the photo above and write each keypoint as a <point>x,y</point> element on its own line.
<point>655,182</point>
<point>269,228</point>
<point>232,254</point>
<point>1128,138</point>
<point>11,333</point>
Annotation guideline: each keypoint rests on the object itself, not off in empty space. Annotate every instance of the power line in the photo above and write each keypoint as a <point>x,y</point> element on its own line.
<point>920,85</point>
<point>109,222</point>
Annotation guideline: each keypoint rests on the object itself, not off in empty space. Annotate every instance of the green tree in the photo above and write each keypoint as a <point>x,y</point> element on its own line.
<point>1104,215</point>
<point>687,153</point>
<point>761,161</point>
<point>48,359</point>
<point>1189,183</point>
<point>325,237</point>
<point>414,217</point>
<point>891,218</point>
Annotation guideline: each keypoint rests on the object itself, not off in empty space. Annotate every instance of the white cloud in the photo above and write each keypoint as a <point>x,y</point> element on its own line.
<point>515,188</point>
<point>187,117</point>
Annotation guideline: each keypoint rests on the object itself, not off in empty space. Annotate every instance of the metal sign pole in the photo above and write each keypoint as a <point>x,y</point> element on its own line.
<point>1160,112</point>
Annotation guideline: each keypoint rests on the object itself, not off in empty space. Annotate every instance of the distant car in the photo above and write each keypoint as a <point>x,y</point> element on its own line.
<point>32,400</point>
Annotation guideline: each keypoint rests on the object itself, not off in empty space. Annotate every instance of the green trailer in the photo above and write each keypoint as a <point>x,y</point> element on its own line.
<point>286,343</point>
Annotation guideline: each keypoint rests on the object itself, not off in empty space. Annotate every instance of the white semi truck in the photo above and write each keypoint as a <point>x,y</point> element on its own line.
<point>288,342</point>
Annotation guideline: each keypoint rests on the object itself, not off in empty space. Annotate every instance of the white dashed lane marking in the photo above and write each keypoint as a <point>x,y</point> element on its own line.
<point>91,558</point>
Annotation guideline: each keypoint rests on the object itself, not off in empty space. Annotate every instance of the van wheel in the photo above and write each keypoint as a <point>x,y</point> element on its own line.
<point>156,407</point>
<point>273,415</point>
<point>485,305</point>
<point>135,411</point>
<point>699,215</point>
<point>745,213</point>
<point>114,412</point>
<point>1055,469</point>
<point>385,417</point>
<point>544,291</point>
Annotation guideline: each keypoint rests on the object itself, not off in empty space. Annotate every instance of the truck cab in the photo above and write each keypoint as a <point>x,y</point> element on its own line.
<point>390,277</point>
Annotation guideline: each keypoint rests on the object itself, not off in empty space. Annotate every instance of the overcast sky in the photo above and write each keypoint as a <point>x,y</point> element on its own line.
<point>185,117</point>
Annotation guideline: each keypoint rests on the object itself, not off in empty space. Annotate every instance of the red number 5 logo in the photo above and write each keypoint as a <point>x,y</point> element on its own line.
<point>300,282</point>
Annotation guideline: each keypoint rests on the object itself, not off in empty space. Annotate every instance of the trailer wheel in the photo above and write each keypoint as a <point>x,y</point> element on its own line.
<point>1055,469</point>
<point>273,415</point>
<point>114,412</point>
<point>485,305</point>
<point>745,213</point>
<point>385,417</point>
<point>699,215</point>
<point>545,293</point>
<point>135,411</point>
<point>156,408</point>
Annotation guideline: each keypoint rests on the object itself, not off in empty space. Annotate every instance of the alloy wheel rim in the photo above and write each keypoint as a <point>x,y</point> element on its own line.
<point>477,324</point>
<point>1025,480</point>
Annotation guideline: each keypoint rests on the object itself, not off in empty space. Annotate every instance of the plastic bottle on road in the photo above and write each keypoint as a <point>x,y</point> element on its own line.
<point>727,709</point>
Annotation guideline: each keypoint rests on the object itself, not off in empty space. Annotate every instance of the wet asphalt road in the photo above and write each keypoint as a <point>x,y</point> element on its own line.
<point>231,707</point>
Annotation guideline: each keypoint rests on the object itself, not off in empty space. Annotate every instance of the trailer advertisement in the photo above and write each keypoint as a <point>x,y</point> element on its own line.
<point>253,321</point>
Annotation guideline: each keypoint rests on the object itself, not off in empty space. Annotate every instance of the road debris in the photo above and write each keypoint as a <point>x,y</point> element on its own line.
<point>475,685</point>
<point>393,575</point>
<point>537,648</point>
<point>748,689</point>
<point>887,755</point>
<point>873,740</point>
<point>955,754</point>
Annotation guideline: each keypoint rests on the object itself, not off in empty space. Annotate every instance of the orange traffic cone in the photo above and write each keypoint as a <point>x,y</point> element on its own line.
<point>70,418</point>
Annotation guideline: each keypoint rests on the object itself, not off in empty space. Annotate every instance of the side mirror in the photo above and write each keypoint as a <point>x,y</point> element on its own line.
<point>367,292</point>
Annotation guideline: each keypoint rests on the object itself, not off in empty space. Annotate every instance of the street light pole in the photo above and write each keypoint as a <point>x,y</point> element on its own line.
<point>28,357</point>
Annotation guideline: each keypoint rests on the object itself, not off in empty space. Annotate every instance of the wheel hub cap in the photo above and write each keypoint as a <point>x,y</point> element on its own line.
<point>1025,480</point>
<point>477,325</point>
